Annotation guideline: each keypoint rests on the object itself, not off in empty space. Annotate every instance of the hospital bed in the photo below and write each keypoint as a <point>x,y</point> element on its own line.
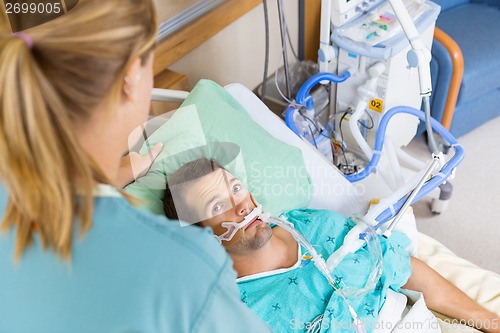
<point>271,156</point>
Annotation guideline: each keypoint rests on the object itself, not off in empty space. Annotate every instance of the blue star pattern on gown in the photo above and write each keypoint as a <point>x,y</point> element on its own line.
<point>348,226</point>
<point>244,297</point>
<point>270,296</point>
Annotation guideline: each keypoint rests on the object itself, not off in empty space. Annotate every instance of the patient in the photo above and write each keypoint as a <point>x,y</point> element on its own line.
<point>277,281</point>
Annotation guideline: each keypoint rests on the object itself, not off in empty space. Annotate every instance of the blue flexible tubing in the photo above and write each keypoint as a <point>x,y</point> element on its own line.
<point>434,182</point>
<point>304,98</point>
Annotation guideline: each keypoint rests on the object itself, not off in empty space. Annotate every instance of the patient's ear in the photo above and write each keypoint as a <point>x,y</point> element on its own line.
<point>130,85</point>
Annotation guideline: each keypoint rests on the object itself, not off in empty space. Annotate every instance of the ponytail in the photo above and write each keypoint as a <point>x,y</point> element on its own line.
<point>74,63</point>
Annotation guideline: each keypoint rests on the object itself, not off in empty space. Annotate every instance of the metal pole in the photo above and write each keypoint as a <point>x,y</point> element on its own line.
<point>284,49</point>
<point>410,198</point>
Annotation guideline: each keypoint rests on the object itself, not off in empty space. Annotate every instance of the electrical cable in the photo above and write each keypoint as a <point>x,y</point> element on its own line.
<point>290,40</point>
<point>284,49</point>
<point>312,135</point>
<point>310,120</point>
<point>292,48</point>
<point>318,131</point>
<point>371,121</point>
<point>280,92</point>
<point>301,64</point>
<point>342,137</point>
<point>266,58</point>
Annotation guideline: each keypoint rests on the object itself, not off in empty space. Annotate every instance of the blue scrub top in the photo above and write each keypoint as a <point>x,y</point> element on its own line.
<point>132,272</point>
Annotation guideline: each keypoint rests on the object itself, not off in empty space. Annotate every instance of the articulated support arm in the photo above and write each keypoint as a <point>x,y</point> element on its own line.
<point>419,56</point>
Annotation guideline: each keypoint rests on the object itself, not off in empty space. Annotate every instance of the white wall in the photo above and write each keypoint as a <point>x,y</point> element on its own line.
<point>237,53</point>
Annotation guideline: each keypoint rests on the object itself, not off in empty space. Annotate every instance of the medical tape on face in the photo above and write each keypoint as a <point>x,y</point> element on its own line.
<point>264,217</point>
<point>226,231</point>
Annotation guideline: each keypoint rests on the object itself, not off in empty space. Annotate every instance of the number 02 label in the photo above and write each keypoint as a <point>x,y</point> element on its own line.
<point>376,105</point>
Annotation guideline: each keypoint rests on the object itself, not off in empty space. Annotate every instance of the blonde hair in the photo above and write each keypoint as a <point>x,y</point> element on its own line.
<point>76,62</point>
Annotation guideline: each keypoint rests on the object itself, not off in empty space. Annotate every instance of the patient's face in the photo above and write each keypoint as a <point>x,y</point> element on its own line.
<point>219,197</point>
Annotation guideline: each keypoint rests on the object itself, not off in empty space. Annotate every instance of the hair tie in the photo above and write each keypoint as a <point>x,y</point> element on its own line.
<point>27,39</point>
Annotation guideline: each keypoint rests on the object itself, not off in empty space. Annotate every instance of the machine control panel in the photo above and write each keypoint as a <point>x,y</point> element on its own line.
<point>344,11</point>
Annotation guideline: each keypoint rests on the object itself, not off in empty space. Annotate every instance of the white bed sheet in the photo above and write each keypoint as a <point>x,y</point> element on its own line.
<point>480,284</point>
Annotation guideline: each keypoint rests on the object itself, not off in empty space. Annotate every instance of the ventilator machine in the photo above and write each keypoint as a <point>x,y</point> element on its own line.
<point>375,56</point>
<point>376,60</point>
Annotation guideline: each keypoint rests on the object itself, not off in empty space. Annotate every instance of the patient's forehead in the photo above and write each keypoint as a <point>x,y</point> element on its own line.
<point>213,182</point>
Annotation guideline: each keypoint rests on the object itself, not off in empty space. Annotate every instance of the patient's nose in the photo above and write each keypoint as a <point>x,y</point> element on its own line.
<point>244,207</point>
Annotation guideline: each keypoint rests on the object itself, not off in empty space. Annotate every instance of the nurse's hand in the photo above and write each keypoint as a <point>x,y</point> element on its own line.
<point>135,165</point>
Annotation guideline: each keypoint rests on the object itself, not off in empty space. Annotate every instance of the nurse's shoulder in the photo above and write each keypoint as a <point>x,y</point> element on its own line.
<point>196,271</point>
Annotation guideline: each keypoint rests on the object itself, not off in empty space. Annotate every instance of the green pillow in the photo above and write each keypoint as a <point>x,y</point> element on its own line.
<point>209,116</point>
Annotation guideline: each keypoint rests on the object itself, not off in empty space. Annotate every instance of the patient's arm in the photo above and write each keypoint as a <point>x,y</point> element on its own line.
<point>444,297</point>
<point>134,165</point>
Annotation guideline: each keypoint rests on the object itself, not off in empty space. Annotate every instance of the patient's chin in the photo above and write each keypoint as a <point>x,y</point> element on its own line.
<point>251,242</point>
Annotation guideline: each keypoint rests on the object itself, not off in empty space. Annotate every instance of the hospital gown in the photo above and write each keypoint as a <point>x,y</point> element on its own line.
<point>290,299</point>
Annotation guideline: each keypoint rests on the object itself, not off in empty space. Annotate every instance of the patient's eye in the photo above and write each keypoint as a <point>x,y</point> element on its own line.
<point>216,209</point>
<point>236,188</point>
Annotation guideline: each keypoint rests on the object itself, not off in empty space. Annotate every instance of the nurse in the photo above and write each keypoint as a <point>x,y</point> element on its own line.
<point>75,255</point>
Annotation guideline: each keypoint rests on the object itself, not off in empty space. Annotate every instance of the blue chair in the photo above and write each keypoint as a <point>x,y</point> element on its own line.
<point>468,27</point>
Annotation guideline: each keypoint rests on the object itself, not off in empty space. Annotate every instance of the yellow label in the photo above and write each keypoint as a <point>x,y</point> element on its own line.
<point>376,105</point>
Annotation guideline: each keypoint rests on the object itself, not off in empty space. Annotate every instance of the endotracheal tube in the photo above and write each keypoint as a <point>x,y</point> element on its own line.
<point>319,262</point>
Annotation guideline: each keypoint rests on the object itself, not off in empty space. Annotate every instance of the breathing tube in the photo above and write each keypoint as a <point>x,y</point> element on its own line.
<point>303,97</point>
<point>430,185</point>
<point>403,197</point>
<point>338,286</point>
<point>228,232</point>
<point>413,191</point>
<point>363,234</point>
